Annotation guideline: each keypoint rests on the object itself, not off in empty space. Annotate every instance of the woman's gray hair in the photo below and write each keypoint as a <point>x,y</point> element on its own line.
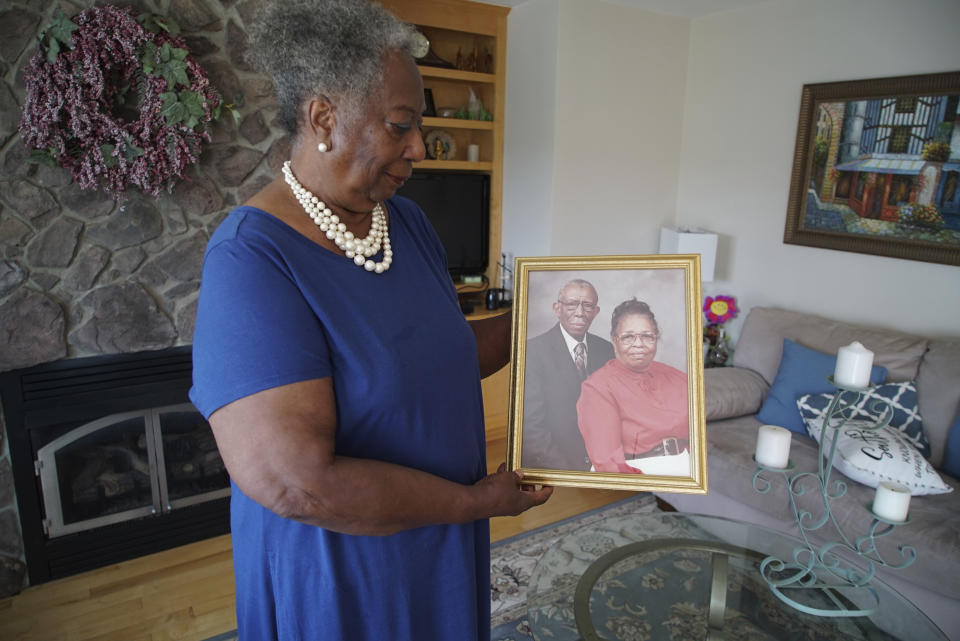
<point>333,48</point>
<point>629,308</point>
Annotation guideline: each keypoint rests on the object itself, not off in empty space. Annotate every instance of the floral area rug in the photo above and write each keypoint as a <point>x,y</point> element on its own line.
<point>652,594</point>
<point>656,596</point>
<point>512,562</point>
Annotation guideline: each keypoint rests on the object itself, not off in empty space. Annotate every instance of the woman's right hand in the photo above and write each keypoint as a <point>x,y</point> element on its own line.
<point>503,493</point>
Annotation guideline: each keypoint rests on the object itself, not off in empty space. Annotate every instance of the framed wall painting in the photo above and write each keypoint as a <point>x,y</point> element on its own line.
<point>876,168</point>
<point>607,373</point>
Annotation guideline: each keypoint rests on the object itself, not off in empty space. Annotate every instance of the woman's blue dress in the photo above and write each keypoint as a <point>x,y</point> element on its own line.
<point>275,308</point>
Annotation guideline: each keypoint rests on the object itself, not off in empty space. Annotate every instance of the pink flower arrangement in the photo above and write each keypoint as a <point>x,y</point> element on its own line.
<point>116,99</point>
<point>719,309</point>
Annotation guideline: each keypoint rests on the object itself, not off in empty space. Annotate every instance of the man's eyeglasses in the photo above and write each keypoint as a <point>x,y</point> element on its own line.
<point>572,305</point>
<point>646,338</point>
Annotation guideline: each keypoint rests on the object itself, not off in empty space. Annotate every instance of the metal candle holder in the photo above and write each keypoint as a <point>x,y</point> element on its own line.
<point>828,568</point>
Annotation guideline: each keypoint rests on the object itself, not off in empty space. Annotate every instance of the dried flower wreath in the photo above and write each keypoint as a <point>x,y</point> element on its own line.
<point>115,98</point>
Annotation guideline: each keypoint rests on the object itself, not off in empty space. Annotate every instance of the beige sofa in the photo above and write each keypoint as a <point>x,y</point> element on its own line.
<point>734,394</point>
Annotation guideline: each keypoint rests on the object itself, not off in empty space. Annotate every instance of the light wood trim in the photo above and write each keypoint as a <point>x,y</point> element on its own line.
<point>458,123</point>
<point>458,164</point>
<point>456,74</point>
<point>496,174</point>
<point>458,15</point>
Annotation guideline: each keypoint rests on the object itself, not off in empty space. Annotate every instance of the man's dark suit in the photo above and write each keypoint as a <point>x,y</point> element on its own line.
<point>551,438</point>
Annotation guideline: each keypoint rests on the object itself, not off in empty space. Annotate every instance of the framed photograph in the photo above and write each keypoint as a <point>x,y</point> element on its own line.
<point>876,167</point>
<point>607,373</point>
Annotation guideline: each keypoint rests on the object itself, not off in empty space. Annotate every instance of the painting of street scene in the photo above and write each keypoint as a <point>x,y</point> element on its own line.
<point>886,169</point>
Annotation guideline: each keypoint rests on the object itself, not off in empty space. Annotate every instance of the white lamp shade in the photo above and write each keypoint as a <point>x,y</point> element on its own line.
<point>691,241</point>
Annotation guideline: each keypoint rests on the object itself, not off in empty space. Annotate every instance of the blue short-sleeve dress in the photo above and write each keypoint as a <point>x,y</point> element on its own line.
<point>275,308</point>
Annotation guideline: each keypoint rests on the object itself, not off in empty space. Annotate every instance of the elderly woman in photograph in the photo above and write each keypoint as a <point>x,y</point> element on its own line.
<point>634,407</point>
<point>338,373</point>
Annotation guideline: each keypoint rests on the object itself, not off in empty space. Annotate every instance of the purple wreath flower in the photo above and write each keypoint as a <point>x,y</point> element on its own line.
<point>115,103</point>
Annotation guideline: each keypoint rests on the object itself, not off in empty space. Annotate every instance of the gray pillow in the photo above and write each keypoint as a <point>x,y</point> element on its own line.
<point>732,391</point>
<point>760,345</point>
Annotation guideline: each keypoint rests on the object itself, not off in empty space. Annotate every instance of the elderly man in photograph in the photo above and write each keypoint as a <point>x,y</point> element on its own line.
<point>557,362</point>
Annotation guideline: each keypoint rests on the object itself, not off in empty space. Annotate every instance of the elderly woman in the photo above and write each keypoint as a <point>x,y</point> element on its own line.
<point>337,371</point>
<point>634,407</point>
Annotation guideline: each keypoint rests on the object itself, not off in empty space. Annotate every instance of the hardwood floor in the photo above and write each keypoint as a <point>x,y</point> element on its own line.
<point>187,593</point>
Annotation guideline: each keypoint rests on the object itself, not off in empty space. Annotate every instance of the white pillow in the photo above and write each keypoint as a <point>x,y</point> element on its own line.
<point>871,456</point>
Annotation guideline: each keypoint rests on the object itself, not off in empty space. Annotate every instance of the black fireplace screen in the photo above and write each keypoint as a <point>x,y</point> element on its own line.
<point>129,465</point>
<point>110,460</point>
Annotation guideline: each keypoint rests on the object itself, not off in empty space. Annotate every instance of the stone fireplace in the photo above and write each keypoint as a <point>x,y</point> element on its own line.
<point>83,276</point>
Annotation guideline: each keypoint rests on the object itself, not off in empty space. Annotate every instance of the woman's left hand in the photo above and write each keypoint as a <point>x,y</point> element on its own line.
<point>505,495</point>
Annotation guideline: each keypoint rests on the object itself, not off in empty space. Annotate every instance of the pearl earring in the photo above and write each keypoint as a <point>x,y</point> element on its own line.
<point>322,147</point>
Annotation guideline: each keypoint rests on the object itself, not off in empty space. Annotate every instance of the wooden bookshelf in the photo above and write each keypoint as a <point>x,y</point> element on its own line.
<point>454,26</point>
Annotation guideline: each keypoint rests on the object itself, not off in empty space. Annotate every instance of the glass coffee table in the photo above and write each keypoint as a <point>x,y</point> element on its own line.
<point>680,577</point>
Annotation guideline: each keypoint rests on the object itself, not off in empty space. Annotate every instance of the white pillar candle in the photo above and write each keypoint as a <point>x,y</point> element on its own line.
<point>853,366</point>
<point>891,502</point>
<point>473,153</point>
<point>773,446</point>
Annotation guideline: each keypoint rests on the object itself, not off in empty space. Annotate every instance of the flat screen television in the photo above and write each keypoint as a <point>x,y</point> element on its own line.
<point>458,206</point>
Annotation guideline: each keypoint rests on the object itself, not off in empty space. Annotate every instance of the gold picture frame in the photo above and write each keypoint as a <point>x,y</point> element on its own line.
<point>875,168</point>
<point>667,381</point>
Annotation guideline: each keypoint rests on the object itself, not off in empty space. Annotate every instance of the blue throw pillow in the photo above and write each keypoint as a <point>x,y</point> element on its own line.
<point>951,456</point>
<point>802,371</point>
<point>898,398</point>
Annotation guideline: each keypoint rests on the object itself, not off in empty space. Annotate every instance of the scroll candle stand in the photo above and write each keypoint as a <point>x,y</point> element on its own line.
<point>828,568</point>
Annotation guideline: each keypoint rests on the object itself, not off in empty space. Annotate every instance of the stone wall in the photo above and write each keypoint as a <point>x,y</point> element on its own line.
<point>82,275</point>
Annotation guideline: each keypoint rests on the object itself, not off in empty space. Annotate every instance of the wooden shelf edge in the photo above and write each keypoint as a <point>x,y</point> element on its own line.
<point>454,164</point>
<point>456,74</point>
<point>457,123</point>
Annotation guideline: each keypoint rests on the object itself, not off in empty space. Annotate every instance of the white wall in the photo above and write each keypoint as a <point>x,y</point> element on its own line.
<point>662,120</point>
<point>744,81</point>
<point>592,144</point>
<point>528,132</point>
<point>620,84</point>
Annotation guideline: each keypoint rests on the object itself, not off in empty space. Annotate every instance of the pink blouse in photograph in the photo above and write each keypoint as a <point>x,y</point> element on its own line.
<point>622,411</point>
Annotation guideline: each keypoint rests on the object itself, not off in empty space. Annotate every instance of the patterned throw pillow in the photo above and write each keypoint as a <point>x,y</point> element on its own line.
<point>871,456</point>
<point>902,398</point>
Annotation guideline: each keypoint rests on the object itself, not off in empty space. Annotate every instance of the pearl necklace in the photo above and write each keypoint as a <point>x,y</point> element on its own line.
<point>359,249</point>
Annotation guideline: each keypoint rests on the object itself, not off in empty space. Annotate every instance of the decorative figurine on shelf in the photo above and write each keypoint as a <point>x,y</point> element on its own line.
<point>474,106</point>
<point>440,145</point>
<point>474,60</point>
<point>718,310</point>
<point>431,59</point>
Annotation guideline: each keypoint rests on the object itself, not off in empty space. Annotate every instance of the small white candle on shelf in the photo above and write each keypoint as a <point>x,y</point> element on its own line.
<point>891,502</point>
<point>773,446</point>
<point>853,366</point>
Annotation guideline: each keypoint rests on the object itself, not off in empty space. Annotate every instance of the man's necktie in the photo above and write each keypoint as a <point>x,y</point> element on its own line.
<point>580,358</point>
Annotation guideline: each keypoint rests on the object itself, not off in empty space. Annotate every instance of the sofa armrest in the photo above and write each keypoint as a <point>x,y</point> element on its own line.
<point>732,391</point>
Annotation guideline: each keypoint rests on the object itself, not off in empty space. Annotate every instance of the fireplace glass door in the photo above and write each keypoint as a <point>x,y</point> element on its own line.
<point>193,471</point>
<point>129,465</point>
